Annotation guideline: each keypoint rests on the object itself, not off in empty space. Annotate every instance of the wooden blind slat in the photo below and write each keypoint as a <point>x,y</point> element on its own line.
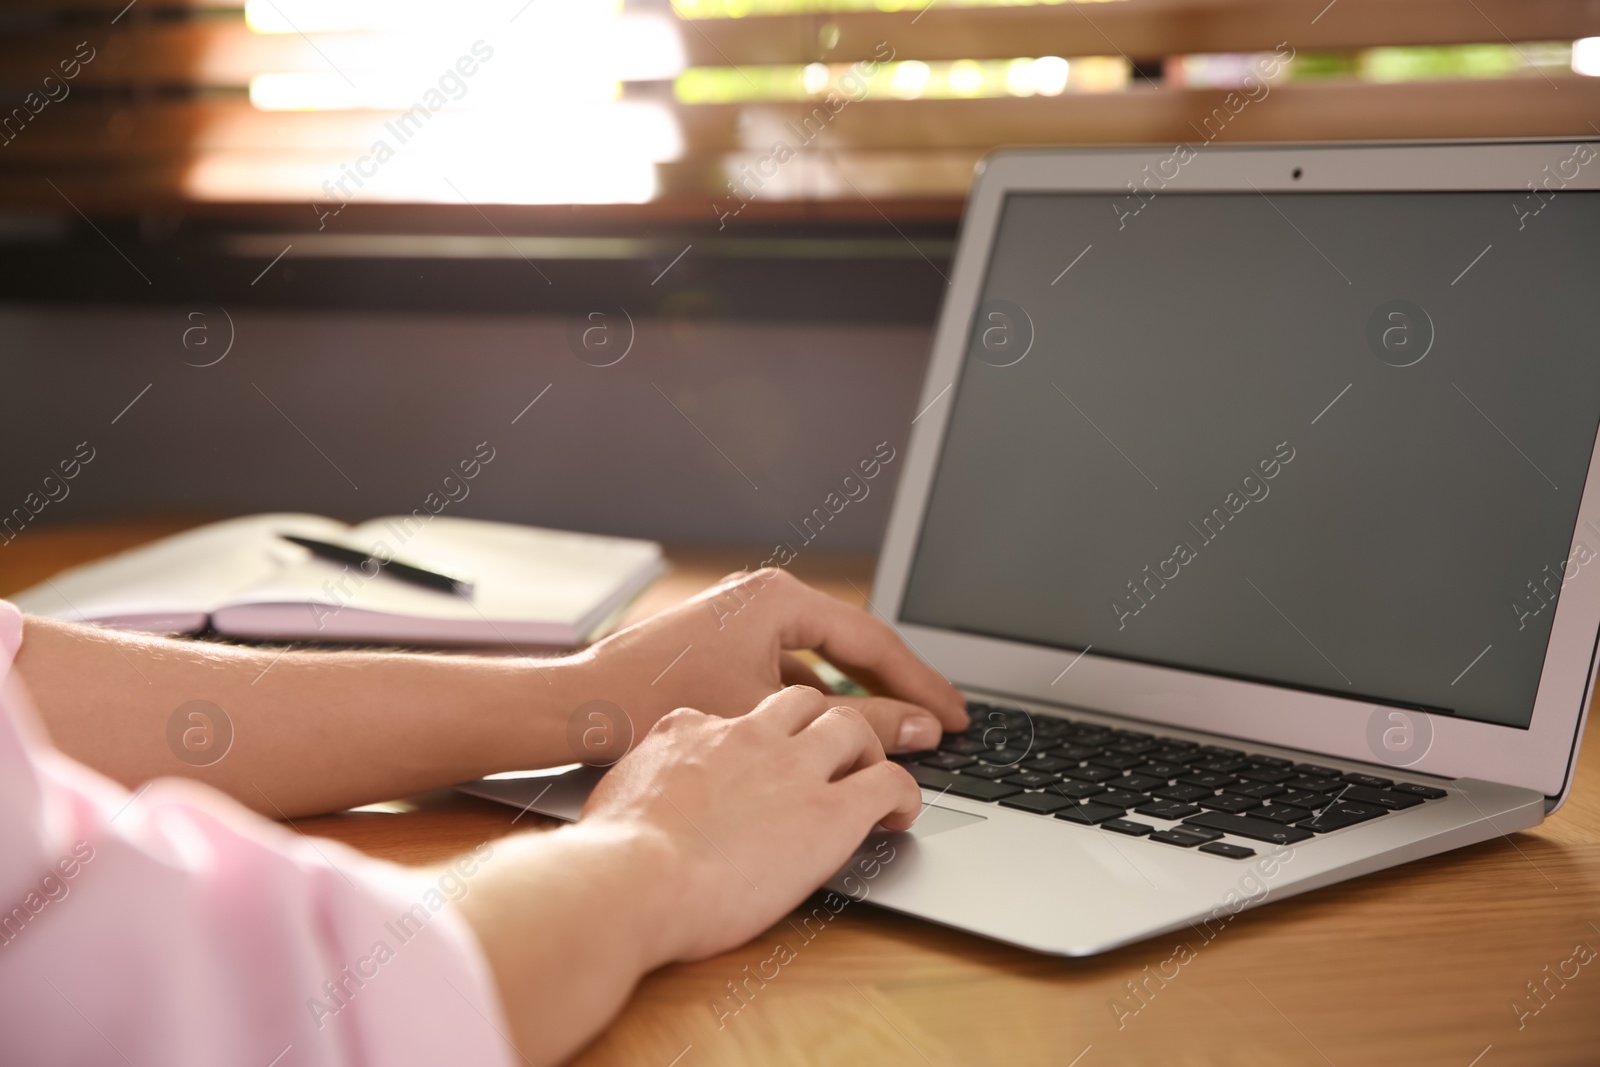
<point>1141,29</point>
<point>211,53</point>
<point>114,132</point>
<point>1512,107</point>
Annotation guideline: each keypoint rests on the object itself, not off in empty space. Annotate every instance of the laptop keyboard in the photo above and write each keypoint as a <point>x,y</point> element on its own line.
<point>1167,789</point>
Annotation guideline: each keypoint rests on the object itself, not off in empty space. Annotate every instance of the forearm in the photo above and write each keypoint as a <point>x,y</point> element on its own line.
<point>311,731</point>
<point>570,920</point>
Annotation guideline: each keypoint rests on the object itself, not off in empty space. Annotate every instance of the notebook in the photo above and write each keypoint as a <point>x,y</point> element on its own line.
<point>530,586</point>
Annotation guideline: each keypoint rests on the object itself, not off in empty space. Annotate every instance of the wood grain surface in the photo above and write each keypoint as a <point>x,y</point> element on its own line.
<point>1423,964</point>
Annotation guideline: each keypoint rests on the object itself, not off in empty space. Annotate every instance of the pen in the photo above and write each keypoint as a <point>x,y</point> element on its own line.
<point>448,583</point>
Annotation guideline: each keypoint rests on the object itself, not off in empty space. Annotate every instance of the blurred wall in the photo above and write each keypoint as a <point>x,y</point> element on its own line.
<point>358,415</point>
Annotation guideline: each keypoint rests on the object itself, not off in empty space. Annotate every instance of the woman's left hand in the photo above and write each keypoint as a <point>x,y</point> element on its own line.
<point>732,646</point>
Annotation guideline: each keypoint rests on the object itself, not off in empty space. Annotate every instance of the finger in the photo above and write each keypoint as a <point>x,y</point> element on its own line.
<point>790,709</point>
<point>796,671</point>
<point>885,792</point>
<point>900,727</point>
<point>867,647</point>
<point>840,741</point>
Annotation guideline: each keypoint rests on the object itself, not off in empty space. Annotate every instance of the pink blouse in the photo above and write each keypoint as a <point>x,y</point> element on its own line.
<point>173,926</point>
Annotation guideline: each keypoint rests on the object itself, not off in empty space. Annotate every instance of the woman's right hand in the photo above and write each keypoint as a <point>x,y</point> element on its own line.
<point>749,815</point>
<point>693,843</point>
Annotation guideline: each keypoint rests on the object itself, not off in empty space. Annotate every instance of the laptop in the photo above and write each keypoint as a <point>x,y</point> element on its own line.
<point>1250,498</point>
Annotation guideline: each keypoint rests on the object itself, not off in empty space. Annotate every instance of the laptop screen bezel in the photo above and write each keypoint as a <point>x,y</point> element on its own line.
<point>1538,757</point>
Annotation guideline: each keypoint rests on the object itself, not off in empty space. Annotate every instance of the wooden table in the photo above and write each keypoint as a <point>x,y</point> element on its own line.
<point>1417,965</point>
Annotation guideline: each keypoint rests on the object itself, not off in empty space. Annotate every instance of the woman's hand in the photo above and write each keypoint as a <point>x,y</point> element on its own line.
<point>729,648</point>
<point>753,812</point>
<point>695,842</point>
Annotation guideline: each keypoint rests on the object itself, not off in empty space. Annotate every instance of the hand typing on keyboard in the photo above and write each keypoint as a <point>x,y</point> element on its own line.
<point>745,816</point>
<point>733,646</point>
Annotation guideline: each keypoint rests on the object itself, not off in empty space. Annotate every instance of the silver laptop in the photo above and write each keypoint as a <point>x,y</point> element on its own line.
<point>1251,499</point>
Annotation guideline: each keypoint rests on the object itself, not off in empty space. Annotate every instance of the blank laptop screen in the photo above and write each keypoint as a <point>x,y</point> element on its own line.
<point>1330,441</point>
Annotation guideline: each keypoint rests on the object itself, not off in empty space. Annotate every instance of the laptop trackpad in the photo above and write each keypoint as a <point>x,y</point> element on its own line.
<point>936,820</point>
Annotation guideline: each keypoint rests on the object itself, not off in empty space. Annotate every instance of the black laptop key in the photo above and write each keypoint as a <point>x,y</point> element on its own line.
<point>1139,783</point>
<point>1048,764</point>
<point>959,784</point>
<point>1386,798</point>
<point>1232,852</point>
<point>1034,780</point>
<point>981,789</point>
<point>1118,761</point>
<point>1184,793</point>
<point>1229,802</point>
<point>1127,826</point>
<point>1270,761</point>
<point>1267,774</point>
<point>1180,837</point>
<point>930,777</point>
<point>1314,784</point>
<point>1075,753</point>
<point>962,746</point>
<point>1207,780</point>
<point>947,761</point>
<point>1222,766</point>
<point>1259,790</point>
<point>1339,814</point>
<point>1161,769</point>
<point>1368,780</point>
<point>1089,813</point>
<point>1124,798</point>
<point>1132,735</point>
<point>1284,813</point>
<point>988,770</point>
<point>1038,803</point>
<point>1077,790</point>
<point>1303,799</point>
<point>1007,756</point>
<point>1217,750</point>
<point>1249,826</point>
<point>1134,748</point>
<point>1167,809</point>
<point>1318,770</point>
<point>1090,774</point>
<point>1426,792</point>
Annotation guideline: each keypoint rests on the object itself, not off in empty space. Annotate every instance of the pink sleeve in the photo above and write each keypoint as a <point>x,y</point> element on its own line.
<point>173,926</point>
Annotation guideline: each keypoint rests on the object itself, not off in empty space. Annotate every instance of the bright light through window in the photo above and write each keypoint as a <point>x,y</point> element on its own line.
<point>395,100</point>
<point>1019,77</point>
<point>909,79</point>
<point>565,46</point>
<point>1050,75</point>
<point>315,91</point>
<point>579,154</point>
<point>1586,56</point>
<point>343,16</point>
<point>966,77</point>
